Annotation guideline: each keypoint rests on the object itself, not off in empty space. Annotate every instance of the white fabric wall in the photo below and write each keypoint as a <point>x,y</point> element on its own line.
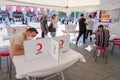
<point>114,14</point>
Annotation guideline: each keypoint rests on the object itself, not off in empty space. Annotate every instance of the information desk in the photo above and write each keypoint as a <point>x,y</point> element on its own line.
<point>45,66</point>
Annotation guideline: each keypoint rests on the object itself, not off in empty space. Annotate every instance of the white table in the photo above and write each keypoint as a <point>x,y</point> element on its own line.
<point>46,65</point>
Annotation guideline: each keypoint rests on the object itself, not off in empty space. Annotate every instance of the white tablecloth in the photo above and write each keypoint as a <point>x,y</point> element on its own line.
<point>46,65</point>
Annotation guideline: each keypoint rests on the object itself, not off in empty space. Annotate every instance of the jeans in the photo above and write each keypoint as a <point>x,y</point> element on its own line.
<point>53,34</point>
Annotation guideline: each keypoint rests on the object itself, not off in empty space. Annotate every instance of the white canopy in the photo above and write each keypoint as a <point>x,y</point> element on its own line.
<point>67,5</point>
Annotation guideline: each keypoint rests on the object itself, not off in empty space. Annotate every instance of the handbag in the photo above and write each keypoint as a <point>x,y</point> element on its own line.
<point>51,28</point>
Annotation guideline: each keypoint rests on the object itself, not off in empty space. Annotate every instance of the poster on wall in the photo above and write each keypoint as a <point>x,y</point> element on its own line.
<point>55,49</point>
<point>105,20</point>
<point>37,49</point>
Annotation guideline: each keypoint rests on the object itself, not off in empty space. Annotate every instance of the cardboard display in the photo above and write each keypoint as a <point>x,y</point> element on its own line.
<point>64,42</point>
<point>55,49</point>
<point>13,30</point>
<point>36,49</point>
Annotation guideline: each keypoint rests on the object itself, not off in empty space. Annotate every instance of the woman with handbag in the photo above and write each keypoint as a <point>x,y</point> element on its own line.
<point>53,26</point>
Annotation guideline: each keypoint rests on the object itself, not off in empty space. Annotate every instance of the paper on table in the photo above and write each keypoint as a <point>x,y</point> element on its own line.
<point>89,48</point>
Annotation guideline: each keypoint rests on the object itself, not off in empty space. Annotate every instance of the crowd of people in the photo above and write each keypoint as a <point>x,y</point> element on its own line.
<point>85,28</point>
<point>101,34</point>
<point>45,28</point>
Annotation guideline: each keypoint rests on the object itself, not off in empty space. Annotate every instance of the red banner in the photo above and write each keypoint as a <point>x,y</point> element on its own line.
<point>9,8</point>
<point>41,9</point>
<point>35,9</point>
<point>27,9</point>
<point>18,9</point>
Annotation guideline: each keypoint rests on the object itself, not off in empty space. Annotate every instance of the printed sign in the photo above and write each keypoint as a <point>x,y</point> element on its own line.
<point>61,43</point>
<point>64,42</point>
<point>13,30</point>
<point>36,49</point>
<point>39,49</point>
<point>55,49</point>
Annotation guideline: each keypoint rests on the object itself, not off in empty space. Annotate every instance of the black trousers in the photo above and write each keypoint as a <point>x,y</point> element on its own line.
<point>43,34</point>
<point>84,35</point>
<point>87,33</point>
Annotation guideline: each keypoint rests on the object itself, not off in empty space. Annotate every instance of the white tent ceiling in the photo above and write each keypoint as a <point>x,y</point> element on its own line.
<point>67,5</point>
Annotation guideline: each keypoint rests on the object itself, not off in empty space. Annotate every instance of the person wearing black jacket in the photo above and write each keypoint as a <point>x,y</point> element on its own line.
<point>82,28</point>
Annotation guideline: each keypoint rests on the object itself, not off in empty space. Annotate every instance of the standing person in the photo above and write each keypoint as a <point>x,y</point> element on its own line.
<point>7,22</point>
<point>17,47</point>
<point>90,25</point>
<point>53,26</point>
<point>44,26</point>
<point>23,20</point>
<point>82,28</point>
<point>41,23</point>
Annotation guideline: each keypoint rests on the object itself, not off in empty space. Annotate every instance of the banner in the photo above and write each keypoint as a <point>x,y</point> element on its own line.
<point>13,30</point>
<point>37,49</point>
<point>9,8</point>
<point>42,9</point>
<point>27,9</point>
<point>18,9</point>
<point>55,49</point>
<point>35,9</point>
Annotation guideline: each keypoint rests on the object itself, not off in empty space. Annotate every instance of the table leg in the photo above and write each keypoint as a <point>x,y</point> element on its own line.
<point>63,78</point>
<point>51,76</point>
<point>27,78</point>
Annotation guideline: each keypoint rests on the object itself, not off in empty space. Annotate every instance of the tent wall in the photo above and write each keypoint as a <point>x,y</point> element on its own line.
<point>109,4</point>
<point>67,6</point>
<point>114,14</point>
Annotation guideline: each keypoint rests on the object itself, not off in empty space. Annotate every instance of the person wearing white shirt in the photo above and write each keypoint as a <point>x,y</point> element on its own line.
<point>17,41</point>
<point>90,25</point>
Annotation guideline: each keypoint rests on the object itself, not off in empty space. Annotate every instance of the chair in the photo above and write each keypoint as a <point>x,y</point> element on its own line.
<point>4,54</point>
<point>102,51</point>
<point>115,43</point>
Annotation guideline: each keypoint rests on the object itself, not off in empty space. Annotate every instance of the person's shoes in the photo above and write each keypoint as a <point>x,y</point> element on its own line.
<point>76,43</point>
<point>98,54</point>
